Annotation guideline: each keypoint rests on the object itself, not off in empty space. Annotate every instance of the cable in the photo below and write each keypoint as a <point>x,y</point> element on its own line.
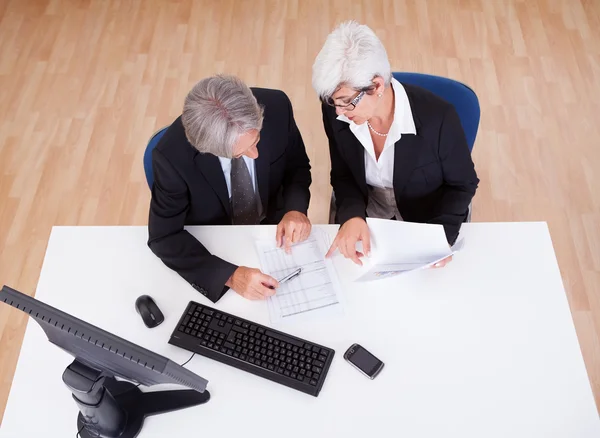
<point>186,362</point>
<point>79,431</point>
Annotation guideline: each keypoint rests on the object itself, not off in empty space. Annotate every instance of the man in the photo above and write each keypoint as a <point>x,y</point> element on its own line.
<point>235,156</point>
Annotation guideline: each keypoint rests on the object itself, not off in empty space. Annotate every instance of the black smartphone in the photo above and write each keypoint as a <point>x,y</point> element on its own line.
<point>363,361</point>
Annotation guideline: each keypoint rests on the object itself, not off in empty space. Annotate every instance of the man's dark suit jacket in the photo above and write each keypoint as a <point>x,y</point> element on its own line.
<point>434,176</point>
<point>189,189</point>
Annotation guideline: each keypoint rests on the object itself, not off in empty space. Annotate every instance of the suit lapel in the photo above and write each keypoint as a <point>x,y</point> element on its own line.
<point>263,167</point>
<point>210,166</point>
<point>406,155</point>
<point>355,155</point>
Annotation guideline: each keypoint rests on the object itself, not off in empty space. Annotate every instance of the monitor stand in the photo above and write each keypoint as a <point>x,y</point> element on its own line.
<point>116,409</point>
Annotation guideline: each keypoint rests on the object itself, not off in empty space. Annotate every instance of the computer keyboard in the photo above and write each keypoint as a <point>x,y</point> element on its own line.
<point>251,347</point>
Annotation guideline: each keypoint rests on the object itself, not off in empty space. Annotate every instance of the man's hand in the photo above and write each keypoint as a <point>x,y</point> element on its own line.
<point>354,230</point>
<point>252,284</point>
<point>443,262</point>
<point>293,228</point>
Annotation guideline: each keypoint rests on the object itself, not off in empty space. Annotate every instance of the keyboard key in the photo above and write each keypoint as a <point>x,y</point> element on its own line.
<point>302,371</point>
<point>239,329</point>
<point>324,352</point>
<point>236,354</point>
<point>293,375</point>
<point>191,310</point>
<point>252,334</point>
<point>295,349</point>
<point>251,360</point>
<point>219,341</point>
<point>238,349</point>
<point>230,320</point>
<point>264,364</point>
<point>295,356</point>
<point>211,345</point>
<point>322,358</point>
<point>186,319</point>
<point>238,322</point>
<point>222,336</point>
<point>253,327</point>
<point>308,374</point>
<point>218,315</point>
<point>289,367</point>
<point>208,311</point>
<point>308,346</point>
<point>221,323</point>
<point>299,377</point>
<point>261,330</point>
<point>295,362</point>
<point>280,370</point>
<point>315,356</point>
<point>286,373</point>
<point>229,345</point>
<point>245,325</point>
<point>276,362</point>
<point>313,382</point>
<point>242,356</point>
<point>271,367</point>
<point>231,336</point>
<point>230,352</point>
<point>204,343</point>
<point>181,328</point>
<point>316,369</point>
<point>296,369</point>
<point>194,333</point>
<point>209,332</point>
<point>270,360</point>
<point>245,351</point>
<point>264,357</point>
<point>187,330</point>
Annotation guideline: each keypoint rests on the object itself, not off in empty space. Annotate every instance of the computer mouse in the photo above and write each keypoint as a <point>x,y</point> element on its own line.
<point>149,311</point>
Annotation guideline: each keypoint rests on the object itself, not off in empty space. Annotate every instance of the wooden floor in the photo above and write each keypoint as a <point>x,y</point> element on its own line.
<point>84,83</point>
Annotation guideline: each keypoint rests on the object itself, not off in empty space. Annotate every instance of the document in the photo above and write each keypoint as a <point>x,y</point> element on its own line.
<point>314,292</point>
<point>399,247</point>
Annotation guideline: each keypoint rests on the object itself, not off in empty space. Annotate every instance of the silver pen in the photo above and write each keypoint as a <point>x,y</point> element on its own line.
<point>290,276</point>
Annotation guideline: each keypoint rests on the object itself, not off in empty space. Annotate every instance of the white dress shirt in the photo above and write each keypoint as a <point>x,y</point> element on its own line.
<point>380,173</point>
<point>226,166</point>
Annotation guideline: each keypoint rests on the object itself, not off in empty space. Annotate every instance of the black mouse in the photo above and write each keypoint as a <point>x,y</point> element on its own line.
<point>149,311</point>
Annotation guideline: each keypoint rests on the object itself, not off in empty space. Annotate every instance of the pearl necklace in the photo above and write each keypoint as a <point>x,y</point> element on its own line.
<point>375,132</point>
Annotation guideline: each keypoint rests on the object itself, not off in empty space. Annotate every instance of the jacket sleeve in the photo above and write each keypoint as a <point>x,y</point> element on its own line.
<point>176,247</point>
<point>297,179</point>
<point>350,201</point>
<point>460,178</point>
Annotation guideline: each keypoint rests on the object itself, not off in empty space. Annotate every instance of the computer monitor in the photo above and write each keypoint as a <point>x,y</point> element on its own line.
<point>110,408</point>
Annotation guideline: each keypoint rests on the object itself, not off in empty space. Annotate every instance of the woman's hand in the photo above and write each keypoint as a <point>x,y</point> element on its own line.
<point>353,230</point>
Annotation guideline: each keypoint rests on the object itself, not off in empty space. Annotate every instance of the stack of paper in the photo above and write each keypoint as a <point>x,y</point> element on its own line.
<point>398,247</point>
<point>315,291</point>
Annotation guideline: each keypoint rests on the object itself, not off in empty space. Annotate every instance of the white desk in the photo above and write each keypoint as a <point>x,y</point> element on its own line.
<point>485,347</point>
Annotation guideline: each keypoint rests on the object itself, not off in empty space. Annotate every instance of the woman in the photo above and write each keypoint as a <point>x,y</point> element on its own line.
<point>397,151</point>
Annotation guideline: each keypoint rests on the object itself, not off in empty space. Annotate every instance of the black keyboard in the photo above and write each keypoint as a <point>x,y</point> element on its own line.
<point>251,347</point>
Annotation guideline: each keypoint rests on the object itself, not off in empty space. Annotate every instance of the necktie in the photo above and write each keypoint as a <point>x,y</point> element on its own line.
<point>244,201</point>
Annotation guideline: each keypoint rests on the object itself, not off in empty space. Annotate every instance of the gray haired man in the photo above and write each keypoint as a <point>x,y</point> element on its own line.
<point>235,156</point>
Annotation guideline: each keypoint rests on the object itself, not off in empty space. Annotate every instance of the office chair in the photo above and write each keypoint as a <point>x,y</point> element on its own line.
<point>458,94</point>
<point>148,155</point>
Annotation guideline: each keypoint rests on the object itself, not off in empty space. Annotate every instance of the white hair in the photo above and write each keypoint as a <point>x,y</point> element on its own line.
<point>217,111</point>
<point>352,55</point>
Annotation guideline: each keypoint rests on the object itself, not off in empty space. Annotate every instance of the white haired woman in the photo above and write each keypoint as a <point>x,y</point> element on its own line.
<point>397,151</point>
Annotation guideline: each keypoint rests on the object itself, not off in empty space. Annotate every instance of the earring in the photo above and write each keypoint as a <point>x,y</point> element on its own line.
<point>379,95</point>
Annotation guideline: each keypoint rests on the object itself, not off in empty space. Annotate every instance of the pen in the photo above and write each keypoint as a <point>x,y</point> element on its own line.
<point>290,276</point>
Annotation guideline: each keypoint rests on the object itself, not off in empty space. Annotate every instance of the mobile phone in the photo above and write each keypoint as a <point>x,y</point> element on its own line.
<point>363,361</point>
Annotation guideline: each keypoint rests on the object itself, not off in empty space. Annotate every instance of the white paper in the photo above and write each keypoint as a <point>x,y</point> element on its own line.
<point>315,292</point>
<point>399,247</point>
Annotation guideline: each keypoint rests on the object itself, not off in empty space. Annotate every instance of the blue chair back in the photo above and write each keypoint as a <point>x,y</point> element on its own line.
<point>458,94</point>
<point>148,155</point>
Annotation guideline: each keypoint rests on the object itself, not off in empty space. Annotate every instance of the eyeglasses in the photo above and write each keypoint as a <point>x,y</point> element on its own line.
<point>347,106</point>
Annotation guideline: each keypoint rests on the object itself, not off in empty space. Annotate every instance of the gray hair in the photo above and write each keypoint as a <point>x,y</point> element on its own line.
<point>217,111</point>
<point>352,55</point>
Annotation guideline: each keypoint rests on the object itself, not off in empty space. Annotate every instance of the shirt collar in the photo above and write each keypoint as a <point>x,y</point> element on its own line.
<point>403,119</point>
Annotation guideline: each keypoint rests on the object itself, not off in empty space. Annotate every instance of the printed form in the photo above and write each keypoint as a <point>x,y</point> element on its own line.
<point>315,291</point>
